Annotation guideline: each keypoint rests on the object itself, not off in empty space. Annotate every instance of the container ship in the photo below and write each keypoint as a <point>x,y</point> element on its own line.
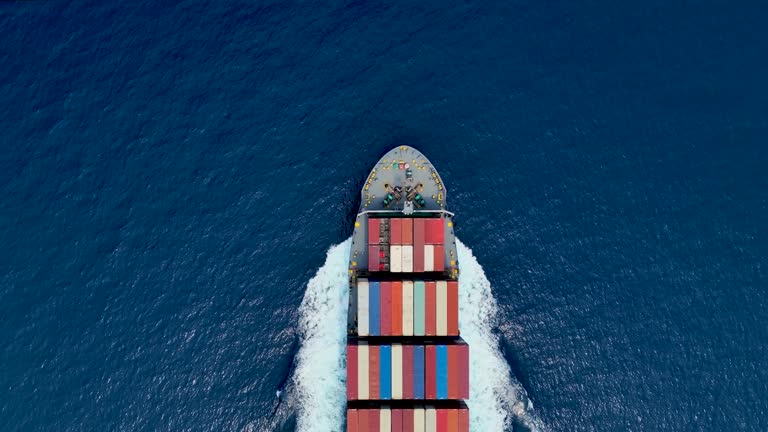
<point>407,366</point>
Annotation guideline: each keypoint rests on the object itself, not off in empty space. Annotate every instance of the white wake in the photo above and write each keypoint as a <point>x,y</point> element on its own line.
<point>496,400</point>
<point>320,374</point>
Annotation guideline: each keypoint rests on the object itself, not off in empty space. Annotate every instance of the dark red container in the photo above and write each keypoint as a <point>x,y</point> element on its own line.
<point>407,371</point>
<point>407,233</point>
<point>373,257</point>
<point>374,422</point>
<point>397,420</point>
<point>396,231</point>
<point>439,257</point>
<point>408,420</point>
<point>374,390</point>
<point>453,308</point>
<point>351,372</point>
<point>373,231</point>
<point>430,318</point>
<point>430,368</point>
<point>418,245</point>
<point>463,420</point>
<point>396,300</point>
<point>385,305</point>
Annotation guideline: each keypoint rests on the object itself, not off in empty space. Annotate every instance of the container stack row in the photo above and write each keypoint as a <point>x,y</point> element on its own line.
<point>415,419</point>
<point>406,245</point>
<point>407,308</point>
<point>401,371</point>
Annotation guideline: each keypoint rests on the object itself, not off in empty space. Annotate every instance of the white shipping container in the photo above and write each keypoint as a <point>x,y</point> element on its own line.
<point>397,371</point>
<point>395,258</point>
<point>407,258</point>
<point>418,420</point>
<point>430,420</point>
<point>429,258</point>
<point>362,307</point>
<point>362,372</point>
<point>442,308</point>
<point>407,308</point>
<point>385,419</point>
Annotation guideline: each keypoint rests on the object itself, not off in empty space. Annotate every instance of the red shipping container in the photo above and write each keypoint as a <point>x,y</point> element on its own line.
<point>463,420</point>
<point>385,308</point>
<point>351,372</point>
<point>407,231</point>
<point>373,231</point>
<point>362,420</point>
<point>374,422</point>
<point>430,368</point>
<point>407,371</point>
<point>453,308</point>
<point>437,231</point>
<point>439,258</point>
<point>453,420</point>
<point>430,303</point>
<point>408,420</point>
<point>418,245</point>
<point>374,390</point>
<point>396,231</point>
<point>373,257</point>
<point>454,372</point>
<point>397,308</point>
<point>352,420</point>
<point>397,420</point>
<point>464,368</point>
<point>442,420</point>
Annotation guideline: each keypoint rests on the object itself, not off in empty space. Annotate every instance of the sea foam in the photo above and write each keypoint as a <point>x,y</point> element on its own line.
<point>496,398</point>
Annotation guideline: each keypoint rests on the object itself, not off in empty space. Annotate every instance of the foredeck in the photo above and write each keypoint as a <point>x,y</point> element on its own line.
<point>403,183</point>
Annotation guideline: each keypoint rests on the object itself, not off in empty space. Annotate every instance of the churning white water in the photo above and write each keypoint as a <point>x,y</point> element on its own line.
<point>319,378</point>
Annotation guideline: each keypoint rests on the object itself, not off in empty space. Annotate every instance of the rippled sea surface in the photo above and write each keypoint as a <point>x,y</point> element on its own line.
<point>173,174</point>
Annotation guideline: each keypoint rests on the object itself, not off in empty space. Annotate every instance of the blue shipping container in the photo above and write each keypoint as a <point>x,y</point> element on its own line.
<point>385,372</point>
<point>442,372</point>
<point>418,372</point>
<point>374,311</point>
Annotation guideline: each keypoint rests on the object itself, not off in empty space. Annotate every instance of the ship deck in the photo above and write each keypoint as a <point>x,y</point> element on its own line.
<point>403,183</point>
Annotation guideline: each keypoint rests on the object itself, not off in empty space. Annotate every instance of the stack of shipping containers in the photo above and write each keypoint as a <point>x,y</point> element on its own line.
<point>407,367</point>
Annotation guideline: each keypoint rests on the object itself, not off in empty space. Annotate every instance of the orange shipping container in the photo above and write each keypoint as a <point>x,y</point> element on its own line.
<point>362,420</point>
<point>374,389</point>
<point>453,420</point>
<point>407,231</point>
<point>454,371</point>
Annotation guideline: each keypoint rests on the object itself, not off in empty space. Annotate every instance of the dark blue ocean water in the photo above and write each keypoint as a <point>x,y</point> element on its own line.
<point>172,174</point>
